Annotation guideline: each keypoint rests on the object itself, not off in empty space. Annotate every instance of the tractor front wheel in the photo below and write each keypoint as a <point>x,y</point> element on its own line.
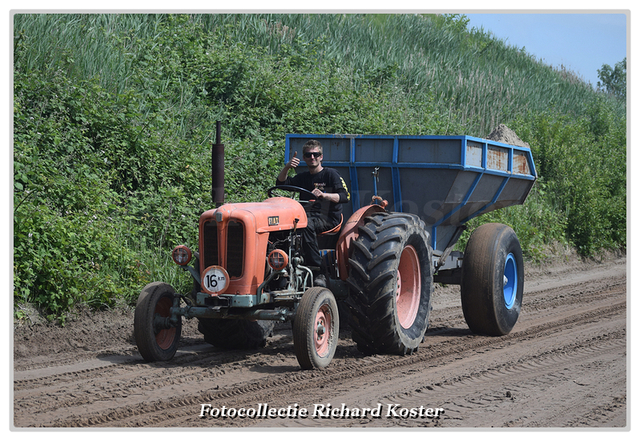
<point>156,338</point>
<point>315,328</point>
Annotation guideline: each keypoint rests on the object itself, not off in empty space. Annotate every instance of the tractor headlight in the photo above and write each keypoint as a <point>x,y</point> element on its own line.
<point>278,259</point>
<point>181,255</point>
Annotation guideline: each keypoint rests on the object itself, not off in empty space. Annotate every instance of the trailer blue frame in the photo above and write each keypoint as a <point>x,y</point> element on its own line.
<point>446,180</point>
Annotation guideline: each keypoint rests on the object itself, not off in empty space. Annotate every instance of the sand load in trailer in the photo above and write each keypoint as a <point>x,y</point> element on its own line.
<point>445,180</point>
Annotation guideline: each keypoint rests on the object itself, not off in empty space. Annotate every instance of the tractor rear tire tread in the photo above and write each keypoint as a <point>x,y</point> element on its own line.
<point>372,283</point>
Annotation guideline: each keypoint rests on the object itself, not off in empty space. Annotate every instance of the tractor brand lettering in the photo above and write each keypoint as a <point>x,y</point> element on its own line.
<point>274,220</point>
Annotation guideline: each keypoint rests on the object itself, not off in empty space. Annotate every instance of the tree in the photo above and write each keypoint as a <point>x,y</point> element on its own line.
<point>614,81</point>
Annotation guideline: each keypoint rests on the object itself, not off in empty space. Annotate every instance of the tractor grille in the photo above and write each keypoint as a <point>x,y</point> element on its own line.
<point>235,248</point>
<point>209,253</point>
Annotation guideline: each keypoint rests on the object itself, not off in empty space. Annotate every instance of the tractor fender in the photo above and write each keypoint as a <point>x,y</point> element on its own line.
<point>349,234</point>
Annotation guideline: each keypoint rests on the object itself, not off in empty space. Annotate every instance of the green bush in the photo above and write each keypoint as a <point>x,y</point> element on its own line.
<point>583,163</point>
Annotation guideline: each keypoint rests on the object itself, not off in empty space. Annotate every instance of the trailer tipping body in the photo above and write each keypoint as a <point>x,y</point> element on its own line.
<point>445,180</point>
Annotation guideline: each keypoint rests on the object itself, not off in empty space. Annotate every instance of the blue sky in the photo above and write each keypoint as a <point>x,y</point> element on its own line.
<point>582,42</point>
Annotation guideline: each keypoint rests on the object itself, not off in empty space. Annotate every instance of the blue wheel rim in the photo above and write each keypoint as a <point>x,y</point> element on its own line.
<point>510,285</point>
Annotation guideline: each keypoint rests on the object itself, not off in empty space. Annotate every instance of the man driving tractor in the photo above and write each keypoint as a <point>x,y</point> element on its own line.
<point>323,213</point>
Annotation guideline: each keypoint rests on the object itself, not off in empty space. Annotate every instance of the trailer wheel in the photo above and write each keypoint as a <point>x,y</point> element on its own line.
<point>492,280</point>
<point>315,328</point>
<point>157,340</point>
<point>236,333</point>
<point>390,280</point>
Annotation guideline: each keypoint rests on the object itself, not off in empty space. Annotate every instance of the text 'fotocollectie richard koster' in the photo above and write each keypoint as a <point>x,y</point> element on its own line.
<point>320,411</point>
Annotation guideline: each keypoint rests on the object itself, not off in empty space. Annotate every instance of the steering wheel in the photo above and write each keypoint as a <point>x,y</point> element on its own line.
<point>293,189</point>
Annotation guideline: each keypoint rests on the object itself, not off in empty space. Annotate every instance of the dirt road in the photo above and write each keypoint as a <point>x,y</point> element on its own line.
<point>563,365</point>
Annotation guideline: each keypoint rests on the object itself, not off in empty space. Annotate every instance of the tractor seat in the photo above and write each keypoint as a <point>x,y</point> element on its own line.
<point>328,239</point>
<point>335,230</point>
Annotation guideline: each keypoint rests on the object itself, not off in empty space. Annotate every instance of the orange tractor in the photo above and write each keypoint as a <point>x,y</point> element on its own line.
<point>411,198</point>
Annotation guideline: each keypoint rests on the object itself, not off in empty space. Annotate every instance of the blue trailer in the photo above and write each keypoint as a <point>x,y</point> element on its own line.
<point>411,197</point>
<point>441,182</point>
<point>445,180</point>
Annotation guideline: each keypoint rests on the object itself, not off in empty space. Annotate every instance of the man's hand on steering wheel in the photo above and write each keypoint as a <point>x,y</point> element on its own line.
<point>318,193</point>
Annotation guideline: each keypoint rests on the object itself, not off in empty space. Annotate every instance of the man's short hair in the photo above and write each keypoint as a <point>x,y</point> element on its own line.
<point>311,144</point>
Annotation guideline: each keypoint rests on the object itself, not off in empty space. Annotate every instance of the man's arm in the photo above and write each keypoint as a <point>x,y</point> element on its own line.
<point>340,194</point>
<point>293,163</point>
<point>332,197</point>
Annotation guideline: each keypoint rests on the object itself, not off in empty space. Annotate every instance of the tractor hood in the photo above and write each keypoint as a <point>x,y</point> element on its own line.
<point>235,237</point>
<point>272,214</point>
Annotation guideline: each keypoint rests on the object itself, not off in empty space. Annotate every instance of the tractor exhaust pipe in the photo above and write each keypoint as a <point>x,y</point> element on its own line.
<point>217,169</point>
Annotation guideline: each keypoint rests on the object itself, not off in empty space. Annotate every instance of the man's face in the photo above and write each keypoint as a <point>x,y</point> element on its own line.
<point>312,157</point>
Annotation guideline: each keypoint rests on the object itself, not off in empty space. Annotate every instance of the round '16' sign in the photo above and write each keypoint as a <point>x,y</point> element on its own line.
<point>215,279</point>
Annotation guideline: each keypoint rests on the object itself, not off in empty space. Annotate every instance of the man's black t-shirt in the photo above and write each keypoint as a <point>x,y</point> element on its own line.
<point>327,180</point>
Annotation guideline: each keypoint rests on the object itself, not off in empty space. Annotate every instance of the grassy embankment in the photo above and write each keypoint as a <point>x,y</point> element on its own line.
<point>114,116</point>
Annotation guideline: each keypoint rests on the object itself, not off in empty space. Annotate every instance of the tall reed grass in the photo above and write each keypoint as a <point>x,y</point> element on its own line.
<point>485,80</point>
<point>85,45</point>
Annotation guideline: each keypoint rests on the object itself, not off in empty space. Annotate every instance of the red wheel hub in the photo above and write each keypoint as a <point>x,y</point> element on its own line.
<point>322,330</point>
<point>165,337</point>
<point>408,287</point>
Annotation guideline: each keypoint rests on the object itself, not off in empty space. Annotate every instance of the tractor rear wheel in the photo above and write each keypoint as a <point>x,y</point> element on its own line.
<point>492,280</point>
<point>390,280</point>
<point>157,340</point>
